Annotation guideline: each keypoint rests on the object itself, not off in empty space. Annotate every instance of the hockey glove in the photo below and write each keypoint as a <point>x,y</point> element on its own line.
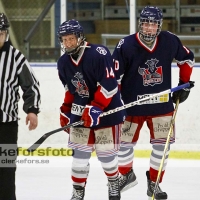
<point>91,116</point>
<point>64,117</point>
<point>182,94</point>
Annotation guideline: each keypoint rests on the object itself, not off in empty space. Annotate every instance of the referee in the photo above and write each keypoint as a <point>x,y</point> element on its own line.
<point>15,71</point>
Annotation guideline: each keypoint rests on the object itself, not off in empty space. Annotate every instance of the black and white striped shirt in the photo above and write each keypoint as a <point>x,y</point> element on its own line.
<point>15,72</point>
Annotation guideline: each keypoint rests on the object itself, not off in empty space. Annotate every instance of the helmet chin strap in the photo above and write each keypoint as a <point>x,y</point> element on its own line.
<point>77,49</point>
<point>7,36</point>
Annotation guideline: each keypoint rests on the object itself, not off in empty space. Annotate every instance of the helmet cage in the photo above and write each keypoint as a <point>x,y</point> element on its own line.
<point>80,39</point>
<point>149,36</point>
<point>68,28</point>
<point>150,15</point>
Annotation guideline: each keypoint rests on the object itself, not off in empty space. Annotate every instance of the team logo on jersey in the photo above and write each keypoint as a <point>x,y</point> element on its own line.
<point>81,87</point>
<point>151,75</point>
<point>101,50</point>
<point>120,43</point>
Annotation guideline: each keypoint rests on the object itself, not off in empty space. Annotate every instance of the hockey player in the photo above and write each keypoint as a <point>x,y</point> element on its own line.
<point>143,67</point>
<point>86,72</point>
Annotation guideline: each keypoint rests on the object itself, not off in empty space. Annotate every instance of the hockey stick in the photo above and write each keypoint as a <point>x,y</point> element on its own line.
<point>186,85</point>
<point>166,148</point>
<point>46,135</point>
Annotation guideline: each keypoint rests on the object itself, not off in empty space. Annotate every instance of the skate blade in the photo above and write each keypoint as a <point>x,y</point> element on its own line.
<point>129,186</point>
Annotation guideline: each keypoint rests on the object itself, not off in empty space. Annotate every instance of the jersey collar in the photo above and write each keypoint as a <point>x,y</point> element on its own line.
<point>81,52</point>
<point>150,49</point>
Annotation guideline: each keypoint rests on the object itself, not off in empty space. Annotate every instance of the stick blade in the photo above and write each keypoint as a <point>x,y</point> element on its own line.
<point>37,144</point>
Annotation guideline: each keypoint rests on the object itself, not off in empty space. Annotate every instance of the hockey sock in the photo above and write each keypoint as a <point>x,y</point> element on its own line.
<point>125,159</point>
<point>155,160</point>
<point>110,166</point>
<point>80,167</point>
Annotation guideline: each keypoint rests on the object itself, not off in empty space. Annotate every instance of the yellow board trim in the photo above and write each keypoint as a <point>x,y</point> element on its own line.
<point>194,155</point>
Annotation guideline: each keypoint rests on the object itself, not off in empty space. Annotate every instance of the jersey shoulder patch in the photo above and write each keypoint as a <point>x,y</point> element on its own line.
<point>101,50</point>
<point>120,43</point>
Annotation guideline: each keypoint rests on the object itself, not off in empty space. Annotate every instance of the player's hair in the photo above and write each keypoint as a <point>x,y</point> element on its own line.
<point>68,28</point>
<point>150,14</point>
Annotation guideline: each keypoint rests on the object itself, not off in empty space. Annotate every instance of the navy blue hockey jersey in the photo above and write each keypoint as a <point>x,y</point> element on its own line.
<point>143,71</point>
<point>82,77</point>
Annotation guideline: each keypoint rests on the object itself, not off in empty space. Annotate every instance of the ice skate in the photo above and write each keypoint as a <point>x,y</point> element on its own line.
<point>159,194</point>
<point>113,189</point>
<point>127,181</point>
<point>78,193</point>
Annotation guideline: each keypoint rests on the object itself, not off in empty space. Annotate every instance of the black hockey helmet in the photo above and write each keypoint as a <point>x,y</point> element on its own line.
<point>4,24</point>
<point>68,28</point>
<point>150,14</point>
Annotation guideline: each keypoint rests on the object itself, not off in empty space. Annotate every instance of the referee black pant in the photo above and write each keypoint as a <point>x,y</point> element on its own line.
<point>8,156</point>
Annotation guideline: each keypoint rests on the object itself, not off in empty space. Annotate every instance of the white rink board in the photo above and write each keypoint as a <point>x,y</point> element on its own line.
<point>52,94</point>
